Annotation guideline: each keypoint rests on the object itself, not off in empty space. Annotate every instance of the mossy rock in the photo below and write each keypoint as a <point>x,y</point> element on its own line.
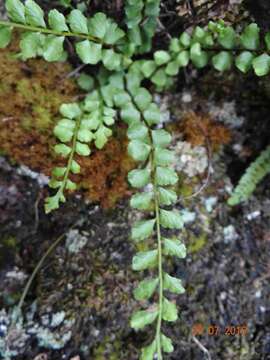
<point>31,94</point>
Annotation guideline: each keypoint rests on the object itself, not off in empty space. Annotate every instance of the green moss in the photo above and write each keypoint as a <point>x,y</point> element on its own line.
<point>142,246</point>
<point>4,87</point>
<point>25,89</point>
<point>41,105</point>
<point>8,249</point>
<point>185,189</point>
<point>10,242</point>
<point>197,243</point>
<point>32,92</point>
<point>43,117</point>
<point>101,293</point>
<point>26,122</point>
<point>100,353</point>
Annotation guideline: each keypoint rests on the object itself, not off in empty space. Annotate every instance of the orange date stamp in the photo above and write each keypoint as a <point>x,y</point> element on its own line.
<point>215,330</point>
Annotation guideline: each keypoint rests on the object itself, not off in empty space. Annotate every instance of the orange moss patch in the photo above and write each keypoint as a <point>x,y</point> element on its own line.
<point>31,93</point>
<point>109,170</point>
<point>30,148</point>
<point>197,129</point>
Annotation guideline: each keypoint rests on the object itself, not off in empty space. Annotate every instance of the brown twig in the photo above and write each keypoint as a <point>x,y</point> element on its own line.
<point>75,71</point>
<point>36,211</point>
<point>203,348</point>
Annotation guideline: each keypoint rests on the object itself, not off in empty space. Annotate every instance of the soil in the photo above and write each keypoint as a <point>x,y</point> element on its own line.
<point>80,302</point>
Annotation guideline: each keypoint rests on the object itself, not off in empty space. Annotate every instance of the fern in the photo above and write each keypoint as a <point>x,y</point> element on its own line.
<point>253,175</point>
<point>217,45</point>
<point>67,130</point>
<point>116,91</point>
<point>80,126</point>
<point>141,20</point>
<point>96,38</point>
<point>149,145</point>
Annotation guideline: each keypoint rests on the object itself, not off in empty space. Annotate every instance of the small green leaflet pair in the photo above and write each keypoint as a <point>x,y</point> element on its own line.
<point>149,146</point>
<point>48,42</point>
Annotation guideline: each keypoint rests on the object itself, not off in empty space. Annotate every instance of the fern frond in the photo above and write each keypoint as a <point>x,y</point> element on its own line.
<point>149,146</point>
<point>217,45</point>
<point>82,124</point>
<point>253,175</point>
<point>97,38</point>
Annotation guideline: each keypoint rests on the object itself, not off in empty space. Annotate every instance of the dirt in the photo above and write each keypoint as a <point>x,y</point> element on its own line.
<point>87,281</point>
